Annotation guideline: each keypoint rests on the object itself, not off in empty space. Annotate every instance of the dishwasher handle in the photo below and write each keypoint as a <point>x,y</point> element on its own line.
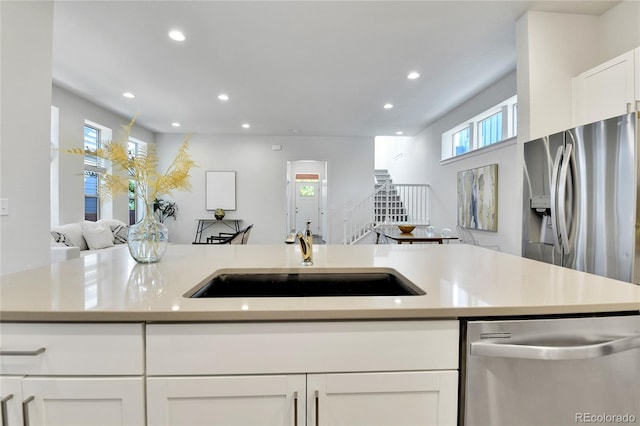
<point>527,351</point>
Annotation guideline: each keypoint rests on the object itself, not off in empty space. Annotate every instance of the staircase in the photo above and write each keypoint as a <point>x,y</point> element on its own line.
<point>388,207</point>
<point>389,203</point>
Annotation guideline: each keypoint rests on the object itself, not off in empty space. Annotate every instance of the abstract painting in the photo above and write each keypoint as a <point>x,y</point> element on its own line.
<point>478,198</point>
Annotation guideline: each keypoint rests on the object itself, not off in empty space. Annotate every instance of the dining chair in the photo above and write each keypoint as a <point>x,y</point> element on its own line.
<point>235,238</point>
<point>246,233</point>
<point>381,238</point>
<point>466,237</point>
<point>239,237</point>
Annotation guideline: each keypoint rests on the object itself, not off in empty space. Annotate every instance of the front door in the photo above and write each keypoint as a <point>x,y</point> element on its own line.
<point>307,205</point>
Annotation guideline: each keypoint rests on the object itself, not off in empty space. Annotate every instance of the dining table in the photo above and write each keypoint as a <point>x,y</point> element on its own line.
<point>418,235</point>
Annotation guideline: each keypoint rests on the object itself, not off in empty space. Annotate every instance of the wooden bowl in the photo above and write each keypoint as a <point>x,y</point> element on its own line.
<point>406,229</point>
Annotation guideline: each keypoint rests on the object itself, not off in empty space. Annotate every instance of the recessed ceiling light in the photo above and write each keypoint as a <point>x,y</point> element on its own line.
<point>223,97</point>
<point>388,106</point>
<point>175,124</point>
<point>399,132</point>
<point>413,75</point>
<point>245,125</point>
<point>128,95</point>
<point>177,35</point>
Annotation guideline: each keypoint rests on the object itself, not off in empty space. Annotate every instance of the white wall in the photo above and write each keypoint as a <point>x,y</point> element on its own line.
<point>73,111</point>
<point>389,149</point>
<point>552,49</point>
<point>618,31</point>
<point>419,162</point>
<point>26,30</point>
<point>261,179</point>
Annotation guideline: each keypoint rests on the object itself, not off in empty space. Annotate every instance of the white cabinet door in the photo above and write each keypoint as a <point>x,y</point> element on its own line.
<point>605,91</point>
<point>267,400</point>
<point>107,401</point>
<point>383,399</point>
<point>11,401</point>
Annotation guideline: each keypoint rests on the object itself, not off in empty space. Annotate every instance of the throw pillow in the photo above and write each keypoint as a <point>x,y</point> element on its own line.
<point>110,223</point>
<point>73,231</point>
<point>120,233</point>
<point>97,235</point>
<point>61,238</point>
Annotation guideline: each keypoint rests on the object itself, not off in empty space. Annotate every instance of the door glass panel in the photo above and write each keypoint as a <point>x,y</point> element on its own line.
<point>307,191</point>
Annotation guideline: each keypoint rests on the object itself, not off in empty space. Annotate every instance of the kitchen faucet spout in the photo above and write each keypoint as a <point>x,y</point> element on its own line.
<point>306,245</point>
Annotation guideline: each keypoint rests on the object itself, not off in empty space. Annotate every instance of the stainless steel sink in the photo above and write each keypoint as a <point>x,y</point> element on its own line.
<point>306,283</point>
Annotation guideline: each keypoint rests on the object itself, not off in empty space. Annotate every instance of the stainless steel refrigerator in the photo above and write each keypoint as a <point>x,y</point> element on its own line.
<point>581,198</point>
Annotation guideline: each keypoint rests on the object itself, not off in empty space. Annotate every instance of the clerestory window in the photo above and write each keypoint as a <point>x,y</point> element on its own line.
<point>493,126</point>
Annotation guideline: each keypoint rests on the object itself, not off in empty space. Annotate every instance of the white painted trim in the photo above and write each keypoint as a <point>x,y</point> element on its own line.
<point>493,147</point>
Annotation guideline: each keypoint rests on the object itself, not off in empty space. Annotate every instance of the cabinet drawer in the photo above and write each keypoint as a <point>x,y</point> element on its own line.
<point>72,349</point>
<point>261,348</point>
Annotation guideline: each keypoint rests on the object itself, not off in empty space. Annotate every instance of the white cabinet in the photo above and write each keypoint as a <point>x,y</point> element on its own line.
<point>73,374</point>
<point>383,399</point>
<point>356,373</point>
<point>299,373</point>
<point>608,90</point>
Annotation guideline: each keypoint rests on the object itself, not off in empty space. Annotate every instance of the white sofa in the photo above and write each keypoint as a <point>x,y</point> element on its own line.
<point>76,239</point>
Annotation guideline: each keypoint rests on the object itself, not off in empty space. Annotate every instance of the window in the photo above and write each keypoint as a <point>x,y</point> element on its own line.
<point>492,126</point>
<point>93,167</point>
<point>461,140</point>
<point>490,130</point>
<point>310,189</point>
<point>307,191</point>
<point>133,150</point>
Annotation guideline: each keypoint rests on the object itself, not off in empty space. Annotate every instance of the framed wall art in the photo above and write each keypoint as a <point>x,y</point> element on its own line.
<point>220,190</point>
<point>478,198</point>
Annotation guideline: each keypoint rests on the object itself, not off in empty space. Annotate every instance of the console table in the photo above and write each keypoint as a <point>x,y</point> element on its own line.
<point>204,224</point>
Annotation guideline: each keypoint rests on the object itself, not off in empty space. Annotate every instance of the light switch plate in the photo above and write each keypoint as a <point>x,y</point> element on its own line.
<point>4,206</point>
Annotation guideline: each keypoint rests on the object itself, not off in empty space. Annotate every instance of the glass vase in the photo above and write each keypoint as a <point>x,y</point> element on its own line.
<point>148,239</point>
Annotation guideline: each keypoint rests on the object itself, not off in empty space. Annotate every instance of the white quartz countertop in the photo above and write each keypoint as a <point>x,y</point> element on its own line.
<point>459,281</point>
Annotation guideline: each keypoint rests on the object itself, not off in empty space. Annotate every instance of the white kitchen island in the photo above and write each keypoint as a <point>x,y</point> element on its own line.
<point>122,345</point>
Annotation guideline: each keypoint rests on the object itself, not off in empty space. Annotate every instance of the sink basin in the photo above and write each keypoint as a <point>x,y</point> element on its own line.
<point>301,283</point>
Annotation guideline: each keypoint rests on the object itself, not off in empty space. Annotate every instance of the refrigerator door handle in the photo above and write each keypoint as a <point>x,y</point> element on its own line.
<point>554,197</point>
<point>562,192</point>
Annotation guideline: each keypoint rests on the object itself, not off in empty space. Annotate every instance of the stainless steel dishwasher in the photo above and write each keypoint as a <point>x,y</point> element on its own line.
<point>559,371</point>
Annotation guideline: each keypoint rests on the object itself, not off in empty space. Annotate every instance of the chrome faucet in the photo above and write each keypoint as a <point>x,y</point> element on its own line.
<point>306,245</point>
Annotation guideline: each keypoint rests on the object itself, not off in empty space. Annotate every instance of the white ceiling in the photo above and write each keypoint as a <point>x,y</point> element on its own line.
<point>289,67</point>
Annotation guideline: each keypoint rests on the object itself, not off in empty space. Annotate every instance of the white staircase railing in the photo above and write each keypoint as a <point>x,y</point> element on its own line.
<point>389,204</point>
